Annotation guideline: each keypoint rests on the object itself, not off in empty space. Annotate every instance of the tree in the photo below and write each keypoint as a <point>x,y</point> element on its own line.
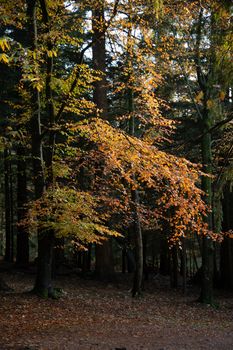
<point>194,42</point>
<point>123,156</point>
<point>104,267</point>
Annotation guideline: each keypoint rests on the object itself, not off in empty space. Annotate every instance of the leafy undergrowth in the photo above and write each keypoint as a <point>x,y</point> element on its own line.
<point>91,315</point>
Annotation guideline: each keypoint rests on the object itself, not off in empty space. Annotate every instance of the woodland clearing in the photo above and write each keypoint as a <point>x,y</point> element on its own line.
<point>94,315</point>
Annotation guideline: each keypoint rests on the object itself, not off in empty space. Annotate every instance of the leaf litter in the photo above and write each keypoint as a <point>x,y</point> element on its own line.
<point>93,315</point>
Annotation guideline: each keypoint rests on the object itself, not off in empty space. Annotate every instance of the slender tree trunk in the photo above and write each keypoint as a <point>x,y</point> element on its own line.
<point>86,263</point>
<point>207,244</point>
<point>165,261</point>
<point>184,266</point>
<point>8,208</point>
<point>204,81</point>
<point>138,274</point>
<point>174,269</point>
<point>43,280</point>
<point>145,265</point>
<point>46,239</point>
<point>104,268</point>
<point>22,256</point>
<point>99,58</point>
<point>123,260</point>
<point>226,262</point>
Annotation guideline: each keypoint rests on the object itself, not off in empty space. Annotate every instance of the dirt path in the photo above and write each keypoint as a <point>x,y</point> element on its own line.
<point>96,316</point>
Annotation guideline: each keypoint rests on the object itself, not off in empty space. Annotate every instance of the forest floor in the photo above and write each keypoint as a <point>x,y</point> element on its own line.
<point>96,316</point>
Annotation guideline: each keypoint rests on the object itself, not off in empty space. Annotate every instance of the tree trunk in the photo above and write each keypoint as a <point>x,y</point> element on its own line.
<point>104,267</point>
<point>123,260</point>
<point>165,263</point>
<point>138,274</point>
<point>204,80</point>
<point>58,255</point>
<point>43,283</point>
<point>8,208</point>
<point>184,266</point>
<point>174,269</point>
<point>86,265</point>
<point>99,58</point>
<point>207,244</point>
<point>22,256</point>
<point>226,262</point>
<point>45,239</point>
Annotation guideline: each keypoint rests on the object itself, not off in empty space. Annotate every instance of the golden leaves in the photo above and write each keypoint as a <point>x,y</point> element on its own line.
<point>199,97</point>
<point>70,213</point>
<point>210,104</point>
<point>4,44</point>
<point>51,53</point>
<point>222,95</point>
<point>141,166</point>
<point>4,58</point>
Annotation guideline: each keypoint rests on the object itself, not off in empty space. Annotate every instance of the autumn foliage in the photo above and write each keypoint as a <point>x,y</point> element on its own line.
<point>97,137</point>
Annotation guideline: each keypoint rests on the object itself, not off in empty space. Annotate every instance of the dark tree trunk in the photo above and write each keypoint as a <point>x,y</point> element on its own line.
<point>86,265</point>
<point>226,263</point>
<point>104,265</point>
<point>207,244</point>
<point>174,269</point>
<point>184,266</point>
<point>22,256</point>
<point>164,266</point>
<point>145,265</point>
<point>43,283</point>
<point>45,239</point>
<point>204,81</point>
<point>123,260</point>
<point>131,262</point>
<point>104,268</point>
<point>138,274</point>
<point>99,58</point>
<point>8,208</point>
<point>58,255</point>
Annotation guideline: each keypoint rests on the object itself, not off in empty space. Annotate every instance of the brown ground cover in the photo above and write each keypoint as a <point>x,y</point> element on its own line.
<point>92,315</point>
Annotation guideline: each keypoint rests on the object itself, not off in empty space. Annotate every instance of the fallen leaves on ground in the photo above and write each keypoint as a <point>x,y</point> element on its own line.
<point>92,315</point>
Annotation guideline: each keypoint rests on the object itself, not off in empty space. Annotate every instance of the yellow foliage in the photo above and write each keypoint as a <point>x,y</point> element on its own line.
<point>51,53</point>
<point>199,96</point>
<point>210,104</point>
<point>69,213</point>
<point>222,95</point>
<point>4,44</point>
<point>4,58</point>
<point>142,165</point>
